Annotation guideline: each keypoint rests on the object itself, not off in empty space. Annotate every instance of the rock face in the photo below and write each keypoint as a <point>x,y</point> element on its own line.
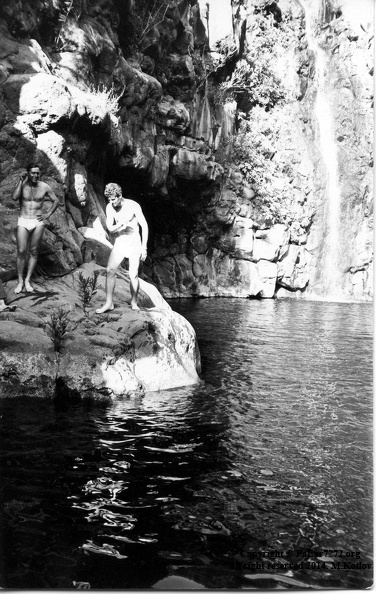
<point>122,352</point>
<point>270,226</point>
<point>223,150</point>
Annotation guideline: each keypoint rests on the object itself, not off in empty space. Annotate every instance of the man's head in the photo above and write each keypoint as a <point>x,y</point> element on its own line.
<point>33,172</point>
<point>113,193</point>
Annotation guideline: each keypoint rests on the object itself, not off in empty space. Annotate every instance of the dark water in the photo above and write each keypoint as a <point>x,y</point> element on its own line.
<point>267,463</point>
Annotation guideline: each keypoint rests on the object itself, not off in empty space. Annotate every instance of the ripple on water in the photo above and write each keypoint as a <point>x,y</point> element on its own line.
<point>272,453</point>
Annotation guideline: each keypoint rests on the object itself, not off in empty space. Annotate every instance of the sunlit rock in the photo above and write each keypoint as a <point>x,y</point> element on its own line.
<point>269,244</point>
<point>52,147</point>
<point>267,272</point>
<point>119,353</point>
<point>42,99</point>
<point>293,272</point>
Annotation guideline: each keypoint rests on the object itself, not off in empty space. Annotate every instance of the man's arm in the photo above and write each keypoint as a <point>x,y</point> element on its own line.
<point>145,231</point>
<point>50,195</point>
<point>17,192</point>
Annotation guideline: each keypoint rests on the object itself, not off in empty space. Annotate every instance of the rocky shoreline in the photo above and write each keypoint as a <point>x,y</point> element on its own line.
<point>119,353</point>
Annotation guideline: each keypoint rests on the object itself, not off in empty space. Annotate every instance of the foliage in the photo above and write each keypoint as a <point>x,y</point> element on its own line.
<point>87,287</point>
<point>253,81</point>
<point>255,86</point>
<point>252,152</point>
<point>58,327</point>
<point>107,97</point>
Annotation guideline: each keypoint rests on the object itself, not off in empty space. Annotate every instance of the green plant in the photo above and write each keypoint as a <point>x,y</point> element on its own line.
<point>107,97</point>
<point>87,287</point>
<point>253,81</point>
<point>252,152</point>
<point>58,327</point>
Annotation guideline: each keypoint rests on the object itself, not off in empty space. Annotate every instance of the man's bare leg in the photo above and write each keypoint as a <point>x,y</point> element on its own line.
<point>134,263</point>
<point>114,261</point>
<point>35,239</point>
<point>22,236</point>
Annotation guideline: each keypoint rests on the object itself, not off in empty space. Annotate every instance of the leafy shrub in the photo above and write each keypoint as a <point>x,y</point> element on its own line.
<point>57,328</point>
<point>87,287</point>
<point>252,152</point>
<point>107,97</point>
<point>254,80</point>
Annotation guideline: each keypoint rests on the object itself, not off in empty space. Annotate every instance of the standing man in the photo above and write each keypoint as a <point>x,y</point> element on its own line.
<point>123,217</point>
<point>31,193</point>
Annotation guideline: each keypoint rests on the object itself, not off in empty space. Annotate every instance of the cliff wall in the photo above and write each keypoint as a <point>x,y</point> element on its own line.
<point>222,149</point>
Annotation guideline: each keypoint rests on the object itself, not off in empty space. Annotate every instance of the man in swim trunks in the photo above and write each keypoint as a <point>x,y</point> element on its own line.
<point>123,218</point>
<point>31,193</point>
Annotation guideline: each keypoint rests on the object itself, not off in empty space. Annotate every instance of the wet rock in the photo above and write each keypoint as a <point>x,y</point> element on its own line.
<point>177,582</point>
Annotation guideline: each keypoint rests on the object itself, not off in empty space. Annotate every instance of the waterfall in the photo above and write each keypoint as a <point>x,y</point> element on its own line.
<point>330,275</point>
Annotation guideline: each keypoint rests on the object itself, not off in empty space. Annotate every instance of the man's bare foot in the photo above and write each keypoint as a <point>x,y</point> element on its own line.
<point>28,287</point>
<point>19,288</point>
<point>104,308</point>
<point>134,306</point>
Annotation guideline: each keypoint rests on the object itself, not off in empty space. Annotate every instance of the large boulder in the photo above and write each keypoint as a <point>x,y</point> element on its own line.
<point>118,353</point>
<point>41,100</point>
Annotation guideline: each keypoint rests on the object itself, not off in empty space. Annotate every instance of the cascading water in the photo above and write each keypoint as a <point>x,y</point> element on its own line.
<point>330,278</point>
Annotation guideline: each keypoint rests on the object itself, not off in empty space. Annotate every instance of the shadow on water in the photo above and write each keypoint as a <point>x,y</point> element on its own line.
<point>270,456</point>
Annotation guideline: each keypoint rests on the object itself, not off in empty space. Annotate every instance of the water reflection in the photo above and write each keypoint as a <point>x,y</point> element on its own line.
<point>272,453</point>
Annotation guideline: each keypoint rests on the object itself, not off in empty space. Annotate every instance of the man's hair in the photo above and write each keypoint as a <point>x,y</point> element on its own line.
<point>32,166</point>
<point>112,190</point>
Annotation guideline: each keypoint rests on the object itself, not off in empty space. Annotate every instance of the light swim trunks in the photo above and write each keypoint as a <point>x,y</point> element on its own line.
<point>129,244</point>
<point>29,224</point>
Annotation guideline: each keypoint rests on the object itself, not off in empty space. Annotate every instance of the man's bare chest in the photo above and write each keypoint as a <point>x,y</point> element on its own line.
<point>125,214</point>
<point>30,194</point>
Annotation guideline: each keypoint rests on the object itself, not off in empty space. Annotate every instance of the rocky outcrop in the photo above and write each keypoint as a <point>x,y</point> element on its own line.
<point>215,238</point>
<point>54,344</point>
<point>222,149</point>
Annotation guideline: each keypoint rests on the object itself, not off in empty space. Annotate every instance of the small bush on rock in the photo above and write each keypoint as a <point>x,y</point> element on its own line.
<point>254,80</point>
<point>57,328</point>
<point>252,151</point>
<point>108,98</point>
<point>87,287</point>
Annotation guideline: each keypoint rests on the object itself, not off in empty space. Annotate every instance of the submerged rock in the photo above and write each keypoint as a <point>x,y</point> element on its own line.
<point>117,353</point>
<point>177,582</point>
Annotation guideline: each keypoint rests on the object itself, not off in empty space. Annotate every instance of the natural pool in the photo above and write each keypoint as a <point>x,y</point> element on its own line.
<point>267,462</point>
